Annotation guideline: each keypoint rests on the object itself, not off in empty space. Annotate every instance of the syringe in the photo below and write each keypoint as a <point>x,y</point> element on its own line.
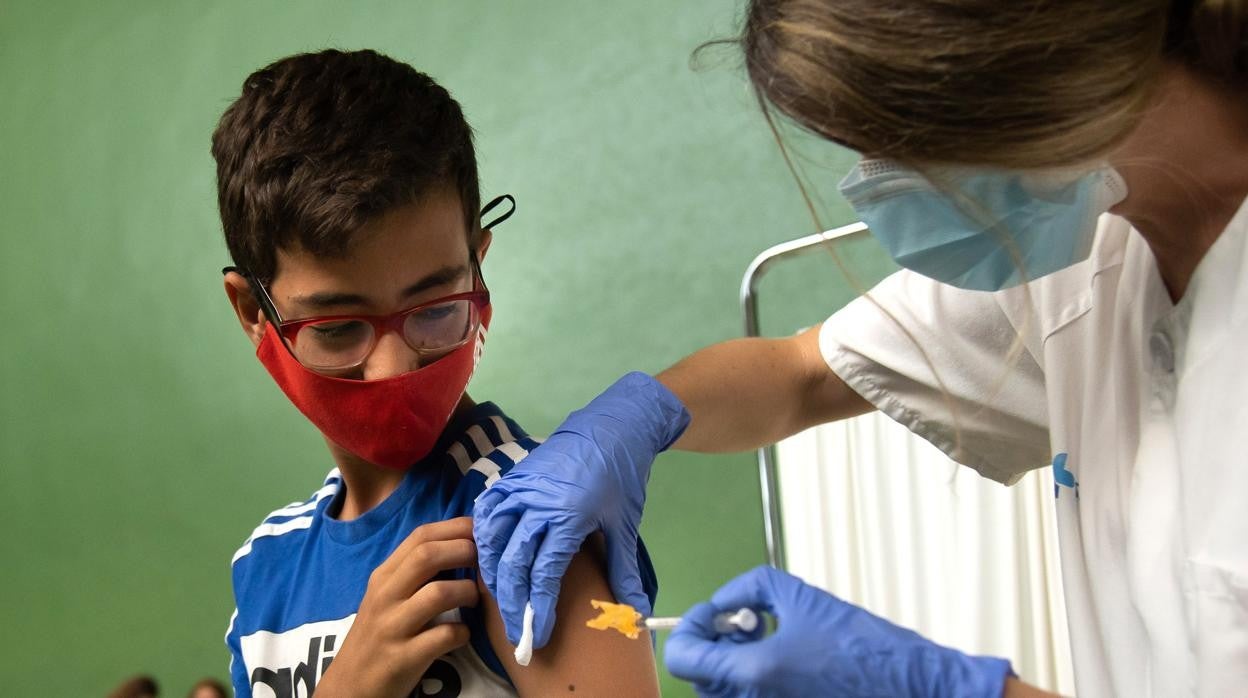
<point>628,622</point>
<point>743,619</point>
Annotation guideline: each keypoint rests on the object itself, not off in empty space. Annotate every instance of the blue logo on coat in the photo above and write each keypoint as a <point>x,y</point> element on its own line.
<point>1063,477</point>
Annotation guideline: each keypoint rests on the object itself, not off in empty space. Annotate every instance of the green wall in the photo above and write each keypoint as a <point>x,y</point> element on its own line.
<point>140,441</point>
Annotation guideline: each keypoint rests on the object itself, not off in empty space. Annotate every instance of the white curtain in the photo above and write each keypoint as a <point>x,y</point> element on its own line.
<point>879,517</point>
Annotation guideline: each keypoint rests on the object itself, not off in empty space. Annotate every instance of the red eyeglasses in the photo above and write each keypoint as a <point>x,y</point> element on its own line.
<point>340,342</point>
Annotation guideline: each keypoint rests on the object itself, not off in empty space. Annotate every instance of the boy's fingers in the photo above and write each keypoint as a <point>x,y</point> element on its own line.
<point>451,529</point>
<point>425,562</point>
<point>437,641</point>
<point>438,597</point>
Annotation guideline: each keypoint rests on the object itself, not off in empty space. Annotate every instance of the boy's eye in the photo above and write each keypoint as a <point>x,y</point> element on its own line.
<point>437,312</point>
<point>442,325</point>
<point>344,332</point>
<point>336,329</point>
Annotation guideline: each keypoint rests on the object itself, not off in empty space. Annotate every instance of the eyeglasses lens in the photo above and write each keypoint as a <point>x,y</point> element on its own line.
<point>336,344</point>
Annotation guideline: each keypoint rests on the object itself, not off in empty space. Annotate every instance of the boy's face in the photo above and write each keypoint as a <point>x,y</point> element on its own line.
<point>408,256</point>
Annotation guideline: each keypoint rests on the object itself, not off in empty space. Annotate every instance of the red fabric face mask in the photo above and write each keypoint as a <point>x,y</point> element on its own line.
<point>393,422</point>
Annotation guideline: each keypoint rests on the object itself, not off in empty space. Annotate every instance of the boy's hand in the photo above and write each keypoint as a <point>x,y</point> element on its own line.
<point>390,645</point>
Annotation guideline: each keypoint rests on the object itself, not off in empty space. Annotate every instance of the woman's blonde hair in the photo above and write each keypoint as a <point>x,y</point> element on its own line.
<point>1017,84</point>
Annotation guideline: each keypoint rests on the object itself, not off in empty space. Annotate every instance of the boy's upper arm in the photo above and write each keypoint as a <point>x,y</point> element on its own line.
<point>580,659</point>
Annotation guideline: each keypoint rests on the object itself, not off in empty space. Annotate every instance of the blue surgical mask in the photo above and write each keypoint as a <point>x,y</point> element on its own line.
<point>980,229</point>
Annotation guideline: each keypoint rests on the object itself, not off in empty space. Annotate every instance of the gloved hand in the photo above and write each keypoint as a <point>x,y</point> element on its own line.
<point>823,647</point>
<point>589,475</point>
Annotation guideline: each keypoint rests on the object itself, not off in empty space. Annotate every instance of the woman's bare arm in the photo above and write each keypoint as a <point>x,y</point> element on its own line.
<point>1017,689</point>
<point>746,393</point>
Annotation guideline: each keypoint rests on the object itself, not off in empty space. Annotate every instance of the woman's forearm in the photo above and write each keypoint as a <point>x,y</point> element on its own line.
<point>1017,689</point>
<point>746,393</point>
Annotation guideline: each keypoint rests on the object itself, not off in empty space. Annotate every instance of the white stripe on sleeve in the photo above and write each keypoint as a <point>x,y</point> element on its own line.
<point>479,439</point>
<point>488,468</point>
<point>460,454</point>
<point>265,530</point>
<point>302,507</point>
<point>514,451</point>
<point>503,431</point>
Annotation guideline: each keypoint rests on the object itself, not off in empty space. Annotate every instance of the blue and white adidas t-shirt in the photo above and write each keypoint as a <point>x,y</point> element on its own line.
<point>301,575</point>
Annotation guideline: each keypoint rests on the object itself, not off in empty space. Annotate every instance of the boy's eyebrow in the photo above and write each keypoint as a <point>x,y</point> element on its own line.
<point>330,299</point>
<point>441,277</point>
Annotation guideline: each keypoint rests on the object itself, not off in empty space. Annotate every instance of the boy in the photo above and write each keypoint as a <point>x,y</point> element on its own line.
<point>348,192</point>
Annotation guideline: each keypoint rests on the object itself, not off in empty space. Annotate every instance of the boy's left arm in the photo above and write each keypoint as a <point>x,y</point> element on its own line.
<point>578,659</point>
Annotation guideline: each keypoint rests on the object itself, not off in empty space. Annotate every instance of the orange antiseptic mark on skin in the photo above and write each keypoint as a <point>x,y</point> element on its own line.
<point>616,616</point>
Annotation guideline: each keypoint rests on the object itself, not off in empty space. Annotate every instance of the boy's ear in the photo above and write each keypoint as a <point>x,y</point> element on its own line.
<point>250,316</point>
<point>483,246</point>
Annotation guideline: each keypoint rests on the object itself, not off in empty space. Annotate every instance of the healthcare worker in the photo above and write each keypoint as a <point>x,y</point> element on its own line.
<point>1023,333</point>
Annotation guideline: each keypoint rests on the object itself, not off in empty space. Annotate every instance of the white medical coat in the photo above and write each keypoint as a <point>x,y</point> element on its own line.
<point>1141,407</point>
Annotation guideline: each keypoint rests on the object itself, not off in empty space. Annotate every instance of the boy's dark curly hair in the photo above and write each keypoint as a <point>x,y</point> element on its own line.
<point>319,144</point>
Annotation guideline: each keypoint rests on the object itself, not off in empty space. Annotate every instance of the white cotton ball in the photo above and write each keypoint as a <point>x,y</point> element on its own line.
<point>524,650</point>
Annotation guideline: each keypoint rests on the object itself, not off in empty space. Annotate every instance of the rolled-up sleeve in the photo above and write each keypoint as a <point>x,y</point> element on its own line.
<point>950,366</point>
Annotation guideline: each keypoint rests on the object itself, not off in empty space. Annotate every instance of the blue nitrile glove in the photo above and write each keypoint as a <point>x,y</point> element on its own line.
<point>590,475</point>
<point>822,647</point>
